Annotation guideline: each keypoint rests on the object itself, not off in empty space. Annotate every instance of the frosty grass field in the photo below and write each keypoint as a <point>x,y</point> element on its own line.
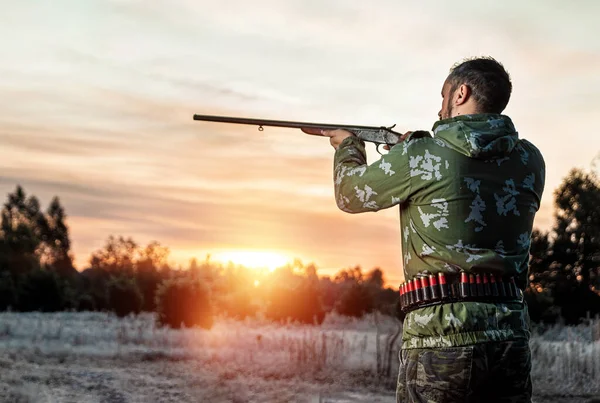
<point>97,357</point>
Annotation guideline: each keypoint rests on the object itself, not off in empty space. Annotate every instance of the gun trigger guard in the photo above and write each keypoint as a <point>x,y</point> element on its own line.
<point>377,148</point>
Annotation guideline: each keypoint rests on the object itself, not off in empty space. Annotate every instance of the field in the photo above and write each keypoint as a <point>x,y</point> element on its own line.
<point>97,357</point>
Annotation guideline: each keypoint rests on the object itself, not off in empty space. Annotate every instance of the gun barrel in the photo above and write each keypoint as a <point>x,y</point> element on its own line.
<point>278,123</point>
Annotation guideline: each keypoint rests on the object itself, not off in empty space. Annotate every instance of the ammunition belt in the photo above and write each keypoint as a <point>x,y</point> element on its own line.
<point>443,288</point>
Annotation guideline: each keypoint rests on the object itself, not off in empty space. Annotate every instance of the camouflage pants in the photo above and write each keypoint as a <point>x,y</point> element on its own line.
<point>489,372</point>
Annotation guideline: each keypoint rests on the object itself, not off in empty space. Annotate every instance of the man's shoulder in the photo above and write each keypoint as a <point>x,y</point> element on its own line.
<point>529,145</point>
<point>417,143</point>
<point>529,152</point>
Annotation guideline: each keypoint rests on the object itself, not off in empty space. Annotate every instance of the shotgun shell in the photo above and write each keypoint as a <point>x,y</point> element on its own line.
<point>472,285</point>
<point>464,285</point>
<point>487,290</point>
<point>418,291</point>
<point>519,292</point>
<point>443,286</point>
<point>512,285</point>
<point>426,289</point>
<point>479,282</point>
<point>401,292</point>
<point>510,292</point>
<point>501,287</point>
<point>433,284</point>
<point>494,286</point>
<point>410,293</point>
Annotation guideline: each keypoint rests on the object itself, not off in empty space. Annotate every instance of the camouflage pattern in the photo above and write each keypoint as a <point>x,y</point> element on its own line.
<point>467,199</point>
<point>490,372</point>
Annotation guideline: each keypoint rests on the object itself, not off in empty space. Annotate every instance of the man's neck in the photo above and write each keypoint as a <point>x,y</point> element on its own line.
<point>465,110</point>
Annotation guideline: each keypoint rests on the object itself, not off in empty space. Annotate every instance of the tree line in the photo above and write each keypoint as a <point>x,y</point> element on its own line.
<point>37,272</point>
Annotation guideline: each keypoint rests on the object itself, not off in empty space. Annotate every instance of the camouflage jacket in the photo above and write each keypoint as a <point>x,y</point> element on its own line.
<point>467,200</point>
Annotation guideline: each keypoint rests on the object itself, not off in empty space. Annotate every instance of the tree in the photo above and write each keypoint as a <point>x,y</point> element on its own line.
<point>23,228</point>
<point>119,255</point>
<point>124,296</point>
<point>41,290</point>
<point>375,278</point>
<point>184,301</point>
<point>350,275</point>
<point>8,291</point>
<point>57,245</point>
<point>300,302</point>
<point>356,301</point>
<point>564,262</point>
<point>578,226</point>
<point>152,258</point>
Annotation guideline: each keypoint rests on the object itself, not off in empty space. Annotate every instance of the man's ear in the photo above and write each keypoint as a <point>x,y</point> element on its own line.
<point>462,94</point>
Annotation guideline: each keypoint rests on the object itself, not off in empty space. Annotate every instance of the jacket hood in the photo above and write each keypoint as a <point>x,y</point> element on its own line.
<point>485,136</point>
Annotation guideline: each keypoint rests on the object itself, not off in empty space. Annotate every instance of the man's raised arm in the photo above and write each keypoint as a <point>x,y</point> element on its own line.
<point>360,187</point>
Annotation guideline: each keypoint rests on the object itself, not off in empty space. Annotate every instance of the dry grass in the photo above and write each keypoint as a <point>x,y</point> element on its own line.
<point>99,357</point>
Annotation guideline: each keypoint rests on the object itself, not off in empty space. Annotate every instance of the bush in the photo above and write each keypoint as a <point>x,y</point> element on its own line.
<point>184,302</point>
<point>8,291</point>
<point>86,303</point>
<point>124,296</point>
<point>41,290</point>
<point>302,304</point>
<point>576,301</point>
<point>355,301</point>
<point>238,305</point>
<point>148,282</point>
<point>540,306</point>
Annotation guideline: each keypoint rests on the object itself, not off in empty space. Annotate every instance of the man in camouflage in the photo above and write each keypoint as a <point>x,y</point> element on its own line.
<point>467,197</point>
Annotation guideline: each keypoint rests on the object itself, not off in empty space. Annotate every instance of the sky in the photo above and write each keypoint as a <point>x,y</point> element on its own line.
<point>97,99</point>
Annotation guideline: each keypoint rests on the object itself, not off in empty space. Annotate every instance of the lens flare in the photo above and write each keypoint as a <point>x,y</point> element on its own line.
<point>253,259</point>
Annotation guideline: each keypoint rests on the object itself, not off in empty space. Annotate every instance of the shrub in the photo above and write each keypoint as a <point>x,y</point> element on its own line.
<point>541,306</point>
<point>148,282</point>
<point>40,290</point>
<point>86,303</point>
<point>238,305</point>
<point>302,304</point>
<point>355,301</point>
<point>184,302</point>
<point>124,296</point>
<point>8,291</point>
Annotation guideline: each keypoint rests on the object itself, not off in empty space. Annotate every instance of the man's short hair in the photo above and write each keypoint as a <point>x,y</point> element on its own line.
<point>488,80</point>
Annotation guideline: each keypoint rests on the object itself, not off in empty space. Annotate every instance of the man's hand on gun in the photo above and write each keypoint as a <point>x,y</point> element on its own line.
<point>338,135</point>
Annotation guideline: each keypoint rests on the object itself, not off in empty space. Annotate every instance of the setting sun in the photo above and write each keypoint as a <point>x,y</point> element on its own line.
<point>253,259</point>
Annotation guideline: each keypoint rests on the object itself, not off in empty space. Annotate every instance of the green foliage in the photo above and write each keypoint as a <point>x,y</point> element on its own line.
<point>356,301</point>
<point>301,303</point>
<point>124,296</point>
<point>41,290</point>
<point>94,283</point>
<point>565,263</point>
<point>8,292</point>
<point>55,253</point>
<point>117,256</point>
<point>184,301</point>
<point>576,301</point>
<point>577,227</point>
<point>85,302</point>
<point>238,304</point>
<point>148,282</point>
<point>541,306</point>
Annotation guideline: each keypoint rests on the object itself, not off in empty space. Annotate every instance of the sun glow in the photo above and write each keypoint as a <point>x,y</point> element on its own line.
<point>253,259</point>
